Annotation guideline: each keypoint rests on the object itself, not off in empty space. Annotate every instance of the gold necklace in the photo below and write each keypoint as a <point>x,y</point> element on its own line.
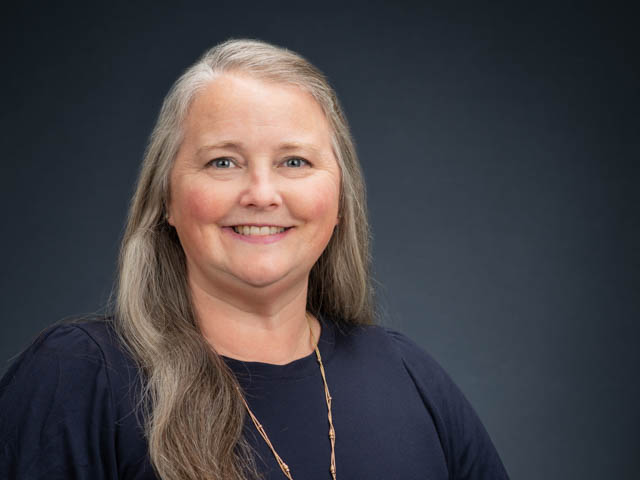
<point>332,433</point>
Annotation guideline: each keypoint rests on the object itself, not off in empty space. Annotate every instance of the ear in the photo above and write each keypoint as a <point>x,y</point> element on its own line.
<point>167,215</point>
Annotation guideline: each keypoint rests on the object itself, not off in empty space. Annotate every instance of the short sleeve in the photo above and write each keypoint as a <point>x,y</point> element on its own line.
<point>468,448</point>
<point>56,410</point>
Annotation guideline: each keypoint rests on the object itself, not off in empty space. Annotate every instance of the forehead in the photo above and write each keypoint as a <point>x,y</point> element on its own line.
<point>243,107</point>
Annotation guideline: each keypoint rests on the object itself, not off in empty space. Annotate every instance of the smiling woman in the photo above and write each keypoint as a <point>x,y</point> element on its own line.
<point>243,343</point>
<point>270,165</point>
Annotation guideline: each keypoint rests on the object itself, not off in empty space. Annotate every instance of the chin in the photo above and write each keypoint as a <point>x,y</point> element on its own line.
<point>262,279</point>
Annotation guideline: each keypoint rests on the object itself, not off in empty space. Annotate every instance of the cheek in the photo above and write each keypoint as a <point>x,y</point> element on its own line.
<point>202,203</point>
<point>320,202</point>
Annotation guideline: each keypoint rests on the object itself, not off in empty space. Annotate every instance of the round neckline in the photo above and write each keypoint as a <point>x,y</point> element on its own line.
<point>299,368</point>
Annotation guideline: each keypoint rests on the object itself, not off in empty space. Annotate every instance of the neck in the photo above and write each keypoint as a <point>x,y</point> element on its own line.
<point>274,332</point>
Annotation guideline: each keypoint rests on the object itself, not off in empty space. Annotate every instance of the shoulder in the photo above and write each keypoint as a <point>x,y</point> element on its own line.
<point>68,359</point>
<point>392,353</point>
<point>424,370</point>
<point>67,344</point>
<point>467,446</point>
<point>438,391</point>
<point>394,346</point>
<point>80,345</point>
<point>63,362</point>
<point>61,402</point>
<point>87,336</point>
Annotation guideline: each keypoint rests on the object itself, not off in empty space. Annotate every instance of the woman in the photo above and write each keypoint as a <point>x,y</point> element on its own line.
<point>242,342</point>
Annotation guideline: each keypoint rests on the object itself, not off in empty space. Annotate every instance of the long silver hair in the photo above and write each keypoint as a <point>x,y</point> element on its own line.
<point>183,379</point>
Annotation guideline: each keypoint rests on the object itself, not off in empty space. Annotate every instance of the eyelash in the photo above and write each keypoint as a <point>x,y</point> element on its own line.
<point>215,160</point>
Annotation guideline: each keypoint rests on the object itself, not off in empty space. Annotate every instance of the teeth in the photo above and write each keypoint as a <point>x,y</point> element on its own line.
<point>245,230</point>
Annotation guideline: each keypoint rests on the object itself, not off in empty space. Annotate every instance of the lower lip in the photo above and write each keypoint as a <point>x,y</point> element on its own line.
<point>257,238</point>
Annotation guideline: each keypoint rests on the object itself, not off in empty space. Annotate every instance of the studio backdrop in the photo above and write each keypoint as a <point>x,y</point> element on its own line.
<point>500,149</point>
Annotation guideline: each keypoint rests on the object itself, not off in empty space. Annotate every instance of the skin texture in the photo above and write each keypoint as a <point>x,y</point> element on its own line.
<point>250,298</point>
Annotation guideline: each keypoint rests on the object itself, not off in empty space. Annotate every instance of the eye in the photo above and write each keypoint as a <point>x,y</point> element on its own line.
<point>222,162</point>
<point>295,162</point>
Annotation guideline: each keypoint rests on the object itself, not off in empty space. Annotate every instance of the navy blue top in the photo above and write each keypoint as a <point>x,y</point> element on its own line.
<point>67,411</point>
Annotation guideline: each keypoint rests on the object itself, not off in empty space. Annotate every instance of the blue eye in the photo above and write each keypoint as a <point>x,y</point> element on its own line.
<point>295,161</point>
<point>221,162</point>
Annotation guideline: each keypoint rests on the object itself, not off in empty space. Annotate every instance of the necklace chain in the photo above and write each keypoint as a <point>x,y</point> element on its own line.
<point>332,433</point>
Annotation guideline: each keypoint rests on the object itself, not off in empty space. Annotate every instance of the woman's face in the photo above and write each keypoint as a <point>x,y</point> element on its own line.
<point>254,153</point>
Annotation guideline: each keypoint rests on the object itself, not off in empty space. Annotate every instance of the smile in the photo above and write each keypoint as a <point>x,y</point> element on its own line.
<point>238,233</point>
<point>261,231</point>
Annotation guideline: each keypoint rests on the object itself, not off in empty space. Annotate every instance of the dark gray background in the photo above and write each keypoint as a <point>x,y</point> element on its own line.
<point>500,148</point>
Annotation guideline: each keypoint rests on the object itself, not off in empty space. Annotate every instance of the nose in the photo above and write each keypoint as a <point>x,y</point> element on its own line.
<point>261,190</point>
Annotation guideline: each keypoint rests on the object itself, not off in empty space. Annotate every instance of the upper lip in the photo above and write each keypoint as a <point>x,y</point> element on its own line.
<point>257,225</point>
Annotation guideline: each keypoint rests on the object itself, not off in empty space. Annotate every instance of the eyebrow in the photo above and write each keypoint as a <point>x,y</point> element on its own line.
<point>239,146</point>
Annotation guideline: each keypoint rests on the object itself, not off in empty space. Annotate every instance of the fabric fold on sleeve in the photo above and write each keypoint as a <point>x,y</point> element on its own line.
<point>56,411</point>
<point>468,448</point>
